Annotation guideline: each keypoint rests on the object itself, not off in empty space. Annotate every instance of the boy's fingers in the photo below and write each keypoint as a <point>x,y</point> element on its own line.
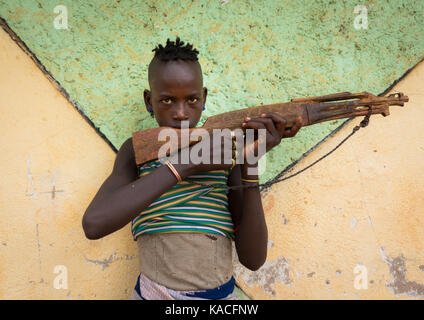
<point>275,124</point>
<point>298,124</point>
<point>279,121</point>
<point>254,125</point>
<point>296,127</point>
<point>268,123</point>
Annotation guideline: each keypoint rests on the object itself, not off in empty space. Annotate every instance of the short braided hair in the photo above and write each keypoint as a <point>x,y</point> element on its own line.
<point>175,50</point>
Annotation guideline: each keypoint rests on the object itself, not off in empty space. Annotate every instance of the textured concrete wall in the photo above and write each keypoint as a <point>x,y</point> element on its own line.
<point>252,52</point>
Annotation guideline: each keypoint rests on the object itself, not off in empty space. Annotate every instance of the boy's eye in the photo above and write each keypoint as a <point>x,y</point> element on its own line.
<point>167,101</point>
<point>192,100</point>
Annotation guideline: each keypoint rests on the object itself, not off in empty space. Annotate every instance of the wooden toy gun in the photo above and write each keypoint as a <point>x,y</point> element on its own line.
<point>312,110</point>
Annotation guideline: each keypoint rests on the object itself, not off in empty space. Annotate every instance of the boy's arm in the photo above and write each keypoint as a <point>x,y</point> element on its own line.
<point>246,204</point>
<point>251,237</point>
<point>123,195</point>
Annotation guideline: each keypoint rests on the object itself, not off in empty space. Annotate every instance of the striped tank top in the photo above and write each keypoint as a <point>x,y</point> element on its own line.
<point>187,207</point>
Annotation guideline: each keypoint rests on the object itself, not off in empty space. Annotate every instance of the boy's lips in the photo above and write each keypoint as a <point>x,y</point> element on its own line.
<point>176,125</point>
<point>179,125</point>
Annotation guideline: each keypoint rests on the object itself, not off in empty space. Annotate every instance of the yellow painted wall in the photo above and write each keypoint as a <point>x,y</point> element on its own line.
<point>45,144</point>
<point>362,205</point>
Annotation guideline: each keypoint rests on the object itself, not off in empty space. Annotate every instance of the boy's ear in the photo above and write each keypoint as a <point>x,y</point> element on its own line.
<point>147,99</point>
<point>205,93</point>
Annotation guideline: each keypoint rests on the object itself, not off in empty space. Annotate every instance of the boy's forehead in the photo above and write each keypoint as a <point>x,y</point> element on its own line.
<point>175,72</point>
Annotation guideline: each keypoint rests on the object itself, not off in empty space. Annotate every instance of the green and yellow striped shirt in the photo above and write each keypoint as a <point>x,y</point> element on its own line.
<point>187,207</point>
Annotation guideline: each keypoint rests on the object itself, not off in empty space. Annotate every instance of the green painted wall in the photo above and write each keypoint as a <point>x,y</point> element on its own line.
<point>252,52</point>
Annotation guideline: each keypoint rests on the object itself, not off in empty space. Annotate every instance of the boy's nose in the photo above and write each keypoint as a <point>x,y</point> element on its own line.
<point>181,113</point>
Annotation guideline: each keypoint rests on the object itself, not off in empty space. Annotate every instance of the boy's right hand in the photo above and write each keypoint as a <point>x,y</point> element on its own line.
<point>207,155</point>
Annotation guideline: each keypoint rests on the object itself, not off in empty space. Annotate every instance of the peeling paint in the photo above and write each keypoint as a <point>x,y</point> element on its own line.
<point>309,275</point>
<point>106,262</point>
<point>267,275</point>
<point>285,221</point>
<point>353,222</point>
<point>400,284</point>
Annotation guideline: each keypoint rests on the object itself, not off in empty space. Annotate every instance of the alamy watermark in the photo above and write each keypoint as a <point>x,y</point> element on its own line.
<point>61,280</point>
<point>61,21</point>
<point>361,280</point>
<point>201,151</point>
<point>361,21</point>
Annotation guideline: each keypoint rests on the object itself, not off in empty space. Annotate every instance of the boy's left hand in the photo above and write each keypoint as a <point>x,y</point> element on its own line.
<point>276,130</point>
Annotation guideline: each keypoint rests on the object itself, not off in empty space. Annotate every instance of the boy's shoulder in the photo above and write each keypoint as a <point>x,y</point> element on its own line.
<point>125,156</point>
<point>127,143</point>
<point>128,149</point>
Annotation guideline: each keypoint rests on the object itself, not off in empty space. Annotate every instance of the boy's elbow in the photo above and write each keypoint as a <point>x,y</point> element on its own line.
<point>253,259</point>
<point>253,265</point>
<point>92,235</point>
<point>90,230</point>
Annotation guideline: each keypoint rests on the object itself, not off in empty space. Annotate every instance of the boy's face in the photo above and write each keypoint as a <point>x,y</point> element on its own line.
<point>177,92</point>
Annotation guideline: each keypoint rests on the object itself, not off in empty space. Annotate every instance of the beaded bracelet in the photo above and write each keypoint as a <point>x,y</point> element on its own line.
<point>174,171</point>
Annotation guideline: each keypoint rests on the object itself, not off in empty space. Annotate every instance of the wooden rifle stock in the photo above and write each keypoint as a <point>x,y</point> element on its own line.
<point>312,110</point>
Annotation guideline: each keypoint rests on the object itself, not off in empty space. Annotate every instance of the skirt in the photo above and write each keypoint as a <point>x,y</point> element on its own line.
<point>146,289</point>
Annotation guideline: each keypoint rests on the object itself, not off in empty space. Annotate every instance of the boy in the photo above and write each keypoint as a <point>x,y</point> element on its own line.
<point>184,247</point>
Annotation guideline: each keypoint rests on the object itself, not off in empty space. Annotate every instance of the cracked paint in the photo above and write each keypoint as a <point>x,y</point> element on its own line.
<point>38,243</point>
<point>30,189</point>
<point>400,284</point>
